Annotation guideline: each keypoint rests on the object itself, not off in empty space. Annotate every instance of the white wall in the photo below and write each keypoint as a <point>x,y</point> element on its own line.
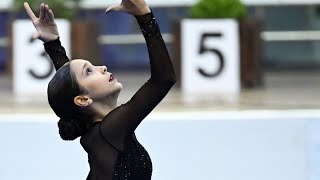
<point>226,146</point>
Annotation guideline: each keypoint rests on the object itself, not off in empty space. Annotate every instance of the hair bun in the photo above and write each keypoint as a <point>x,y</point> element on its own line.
<point>69,129</point>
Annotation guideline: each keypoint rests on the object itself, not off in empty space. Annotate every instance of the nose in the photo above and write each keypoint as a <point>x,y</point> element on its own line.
<point>104,69</point>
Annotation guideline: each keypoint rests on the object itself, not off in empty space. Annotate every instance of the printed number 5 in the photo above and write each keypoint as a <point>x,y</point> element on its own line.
<point>204,49</point>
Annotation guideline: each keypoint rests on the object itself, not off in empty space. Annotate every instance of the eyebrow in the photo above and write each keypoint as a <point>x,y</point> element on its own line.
<point>83,67</point>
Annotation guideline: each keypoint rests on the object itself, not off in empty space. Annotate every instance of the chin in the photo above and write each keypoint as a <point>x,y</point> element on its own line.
<point>119,86</point>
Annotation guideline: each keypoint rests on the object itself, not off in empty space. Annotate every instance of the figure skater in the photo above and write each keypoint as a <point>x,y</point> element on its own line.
<point>84,97</point>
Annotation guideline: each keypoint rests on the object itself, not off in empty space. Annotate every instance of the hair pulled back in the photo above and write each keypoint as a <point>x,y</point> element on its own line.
<point>62,89</point>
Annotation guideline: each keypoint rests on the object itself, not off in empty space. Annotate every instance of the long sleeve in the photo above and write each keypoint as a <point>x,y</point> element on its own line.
<point>161,67</point>
<point>122,121</point>
<point>57,53</point>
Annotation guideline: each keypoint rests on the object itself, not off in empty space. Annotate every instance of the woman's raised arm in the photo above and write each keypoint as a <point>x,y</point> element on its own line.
<point>122,121</point>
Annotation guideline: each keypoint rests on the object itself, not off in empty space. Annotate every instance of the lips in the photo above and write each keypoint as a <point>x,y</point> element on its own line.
<point>111,78</point>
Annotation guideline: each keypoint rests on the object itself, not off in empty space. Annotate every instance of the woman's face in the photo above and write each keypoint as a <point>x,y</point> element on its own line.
<point>96,80</point>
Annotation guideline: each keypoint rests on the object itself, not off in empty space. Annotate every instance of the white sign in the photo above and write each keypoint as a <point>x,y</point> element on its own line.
<point>210,58</point>
<point>32,67</point>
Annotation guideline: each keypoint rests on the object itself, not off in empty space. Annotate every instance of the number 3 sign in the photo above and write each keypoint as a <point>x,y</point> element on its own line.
<point>32,67</point>
<point>210,58</point>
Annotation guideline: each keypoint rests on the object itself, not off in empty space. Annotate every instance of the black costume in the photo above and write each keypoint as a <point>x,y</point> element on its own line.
<point>113,150</point>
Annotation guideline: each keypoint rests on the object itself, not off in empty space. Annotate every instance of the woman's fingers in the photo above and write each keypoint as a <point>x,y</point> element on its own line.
<point>135,7</point>
<point>29,11</point>
<point>36,35</point>
<point>46,15</point>
<point>114,7</point>
<point>42,11</point>
<point>51,16</point>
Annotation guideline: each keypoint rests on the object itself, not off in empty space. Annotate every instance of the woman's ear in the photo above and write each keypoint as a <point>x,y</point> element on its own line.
<point>82,101</point>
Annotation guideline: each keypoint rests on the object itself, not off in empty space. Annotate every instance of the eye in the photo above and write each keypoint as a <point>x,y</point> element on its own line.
<point>89,71</point>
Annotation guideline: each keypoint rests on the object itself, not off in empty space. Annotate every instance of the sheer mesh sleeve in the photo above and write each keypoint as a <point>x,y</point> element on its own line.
<point>122,121</point>
<point>57,53</point>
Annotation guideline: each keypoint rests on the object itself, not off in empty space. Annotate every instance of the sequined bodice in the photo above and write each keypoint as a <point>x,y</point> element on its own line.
<point>133,163</point>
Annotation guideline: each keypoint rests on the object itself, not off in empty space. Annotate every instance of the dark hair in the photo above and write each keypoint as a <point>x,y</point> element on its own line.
<point>62,89</point>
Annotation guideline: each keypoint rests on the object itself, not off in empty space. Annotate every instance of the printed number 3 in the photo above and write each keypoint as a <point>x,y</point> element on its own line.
<point>50,69</point>
<point>204,49</point>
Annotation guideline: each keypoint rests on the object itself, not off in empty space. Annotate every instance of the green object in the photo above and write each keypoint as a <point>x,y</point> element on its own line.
<point>61,8</point>
<point>206,9</point>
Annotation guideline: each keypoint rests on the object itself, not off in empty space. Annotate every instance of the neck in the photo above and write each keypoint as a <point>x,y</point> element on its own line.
<point>104,107</point>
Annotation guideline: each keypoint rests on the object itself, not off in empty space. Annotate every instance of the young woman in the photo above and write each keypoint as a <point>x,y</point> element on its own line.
<point>84,97</point>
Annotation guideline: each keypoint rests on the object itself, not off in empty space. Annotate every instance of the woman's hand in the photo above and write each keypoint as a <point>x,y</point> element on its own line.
<point>47,29</point>
<point>134,7</point>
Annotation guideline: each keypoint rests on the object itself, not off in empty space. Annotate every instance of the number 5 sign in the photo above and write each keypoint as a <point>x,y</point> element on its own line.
<point>32,67</point>
<point>210,58</point>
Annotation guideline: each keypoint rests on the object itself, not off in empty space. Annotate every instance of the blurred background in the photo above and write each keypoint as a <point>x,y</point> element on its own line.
<point>285,53</point>
<point>268,130</point>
